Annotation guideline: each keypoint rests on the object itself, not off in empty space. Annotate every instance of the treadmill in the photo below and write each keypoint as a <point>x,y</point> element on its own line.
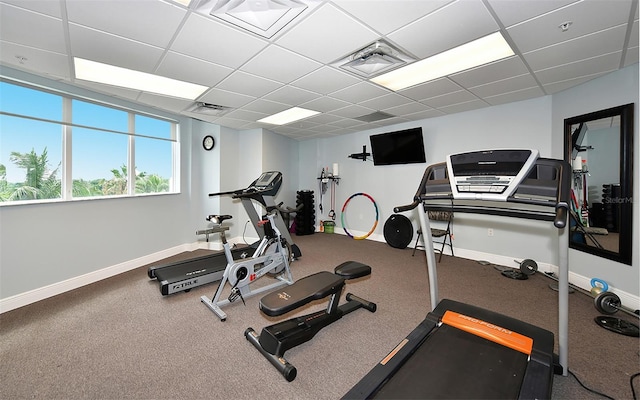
<point>459,350</point>
<point>185,275</point>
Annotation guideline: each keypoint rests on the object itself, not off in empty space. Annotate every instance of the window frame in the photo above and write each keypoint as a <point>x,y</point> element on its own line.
<point>67,126</point>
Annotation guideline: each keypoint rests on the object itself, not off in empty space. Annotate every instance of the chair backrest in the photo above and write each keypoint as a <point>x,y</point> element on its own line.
<point>440,215</point>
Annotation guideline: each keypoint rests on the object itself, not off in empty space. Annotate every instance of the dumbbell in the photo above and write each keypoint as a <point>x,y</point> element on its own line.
<point>609,303</point>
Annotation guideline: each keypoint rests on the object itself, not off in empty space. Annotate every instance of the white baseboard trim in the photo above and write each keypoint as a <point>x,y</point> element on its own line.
<point>577,280</point>
<point>45,292</point>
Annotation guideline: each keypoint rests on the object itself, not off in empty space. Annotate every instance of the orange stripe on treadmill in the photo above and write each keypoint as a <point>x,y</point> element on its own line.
<point>489,331</point>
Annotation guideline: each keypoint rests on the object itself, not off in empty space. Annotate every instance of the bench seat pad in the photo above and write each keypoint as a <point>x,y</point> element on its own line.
<point>303,291</point>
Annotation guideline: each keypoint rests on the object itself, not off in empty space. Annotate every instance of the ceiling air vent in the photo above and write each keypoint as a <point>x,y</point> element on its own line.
<point>262,17</point>
<point>375,116</point>
<point>209,109</point>
<point>376,58</point>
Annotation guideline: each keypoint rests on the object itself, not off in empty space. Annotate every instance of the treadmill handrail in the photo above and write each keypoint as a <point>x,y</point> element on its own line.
<point>534,191</point>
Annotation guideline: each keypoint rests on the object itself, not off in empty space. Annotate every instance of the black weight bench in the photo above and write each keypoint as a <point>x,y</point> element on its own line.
<point>275,339</point>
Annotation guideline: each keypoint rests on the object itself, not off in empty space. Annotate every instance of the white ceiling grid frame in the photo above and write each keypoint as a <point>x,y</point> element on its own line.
<point>156,28</point>
<point>182,43</point>
<point>202,38</point>
<point>49,34</point>
<point>280,64</point>
<point>311,36</point>
<point>585,18</point>
<point>464,21</point>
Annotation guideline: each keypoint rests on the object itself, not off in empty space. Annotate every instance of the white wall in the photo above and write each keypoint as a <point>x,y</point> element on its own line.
<point>48,248</point>
<point>536,123</point>
<point>525,124</point>
<point>615,89</point>
<point>45,244</point>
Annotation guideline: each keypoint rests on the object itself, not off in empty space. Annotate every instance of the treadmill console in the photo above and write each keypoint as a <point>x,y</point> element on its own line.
<point>488,174</point>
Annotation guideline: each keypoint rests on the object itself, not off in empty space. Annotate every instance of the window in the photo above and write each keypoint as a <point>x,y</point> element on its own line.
<point>49,142</point>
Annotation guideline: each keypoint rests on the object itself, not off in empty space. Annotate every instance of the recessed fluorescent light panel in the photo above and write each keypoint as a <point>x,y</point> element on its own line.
<point>479,52</point>
<point>117,76</point>
<point>287,116</point>
<point>374,59</point>
<point>262,17</point>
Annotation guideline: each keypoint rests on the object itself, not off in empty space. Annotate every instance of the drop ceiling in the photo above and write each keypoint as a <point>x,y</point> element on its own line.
<point>558,44</point>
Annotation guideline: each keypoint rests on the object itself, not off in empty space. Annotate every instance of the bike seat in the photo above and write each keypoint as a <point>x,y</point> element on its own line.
<point>217,219</point>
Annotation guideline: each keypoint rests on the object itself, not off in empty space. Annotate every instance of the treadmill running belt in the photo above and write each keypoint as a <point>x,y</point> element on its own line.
<point>453,364</point>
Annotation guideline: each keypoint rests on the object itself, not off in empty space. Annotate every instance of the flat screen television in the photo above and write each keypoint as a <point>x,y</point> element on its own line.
<point>400,147</point>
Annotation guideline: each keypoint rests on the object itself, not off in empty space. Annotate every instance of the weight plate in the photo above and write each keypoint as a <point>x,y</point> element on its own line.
<point>515,274</point>
<point>607,302</point>
<point>528,267</point>
<point>618,325</point>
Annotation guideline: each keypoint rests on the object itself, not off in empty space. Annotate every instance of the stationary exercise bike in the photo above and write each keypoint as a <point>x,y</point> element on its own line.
<point>270,257</point>
<point>274,340</point>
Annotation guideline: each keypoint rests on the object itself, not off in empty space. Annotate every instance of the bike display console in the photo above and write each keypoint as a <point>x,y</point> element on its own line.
<point>182,276</point>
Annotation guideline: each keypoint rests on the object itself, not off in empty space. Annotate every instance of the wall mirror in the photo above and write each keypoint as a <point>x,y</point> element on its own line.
<point>599,148</point>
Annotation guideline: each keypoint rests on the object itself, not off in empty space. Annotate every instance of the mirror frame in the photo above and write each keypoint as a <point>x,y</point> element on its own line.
<point>626,179</point>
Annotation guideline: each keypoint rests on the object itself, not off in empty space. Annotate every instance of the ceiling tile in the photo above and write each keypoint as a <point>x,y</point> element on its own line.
<point>510,14</point>
<point>463,21</point>
<point>246,115</point>
<point>512,66</point>
<point>430,89</point>
<point>266,106</point>
<point>585,17</point>
<point>407,109</point>
<point>607,62</point>
<point>325,80</point>
<point>518,95</point>
<point>164,102</point>
<point>387,16</point>
<point>290,95</point>
<point>18,26</point>
<point>189,69</point>
<point>504,86</point>
<point>359,92</point>
<point>563,85</point>
<point>450,98</point>
<point>466,106</point>
<point>577,49</point>
<point>324,104</point>
<point>327,25</point>
<point>110,49</point>
<point>47,7</point>
<point>157,26</point>
<point>258,76</point>
<point>35,60</point>
<point>352,111</point>
<point>251,85</point>
<point>386,101</point>
<point>280,65</point>
<point>215,42</point>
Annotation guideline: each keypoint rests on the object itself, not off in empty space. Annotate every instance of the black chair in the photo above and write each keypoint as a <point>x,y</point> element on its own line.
<point>445,234</point>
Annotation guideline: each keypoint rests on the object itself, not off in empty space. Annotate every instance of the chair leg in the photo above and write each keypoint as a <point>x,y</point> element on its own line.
<point>416,245</point>
<point>442,249</point>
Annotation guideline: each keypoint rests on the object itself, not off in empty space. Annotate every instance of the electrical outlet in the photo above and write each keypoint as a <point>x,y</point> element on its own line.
<point>489,232</point>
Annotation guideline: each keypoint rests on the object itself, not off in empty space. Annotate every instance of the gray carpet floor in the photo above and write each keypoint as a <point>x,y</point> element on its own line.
<point>121,339</point>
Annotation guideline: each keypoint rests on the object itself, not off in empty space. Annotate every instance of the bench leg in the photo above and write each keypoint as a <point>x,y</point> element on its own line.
<point>287,370</point>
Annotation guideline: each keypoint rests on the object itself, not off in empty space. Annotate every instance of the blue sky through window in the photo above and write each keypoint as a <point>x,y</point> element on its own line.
<point>95,153</point>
